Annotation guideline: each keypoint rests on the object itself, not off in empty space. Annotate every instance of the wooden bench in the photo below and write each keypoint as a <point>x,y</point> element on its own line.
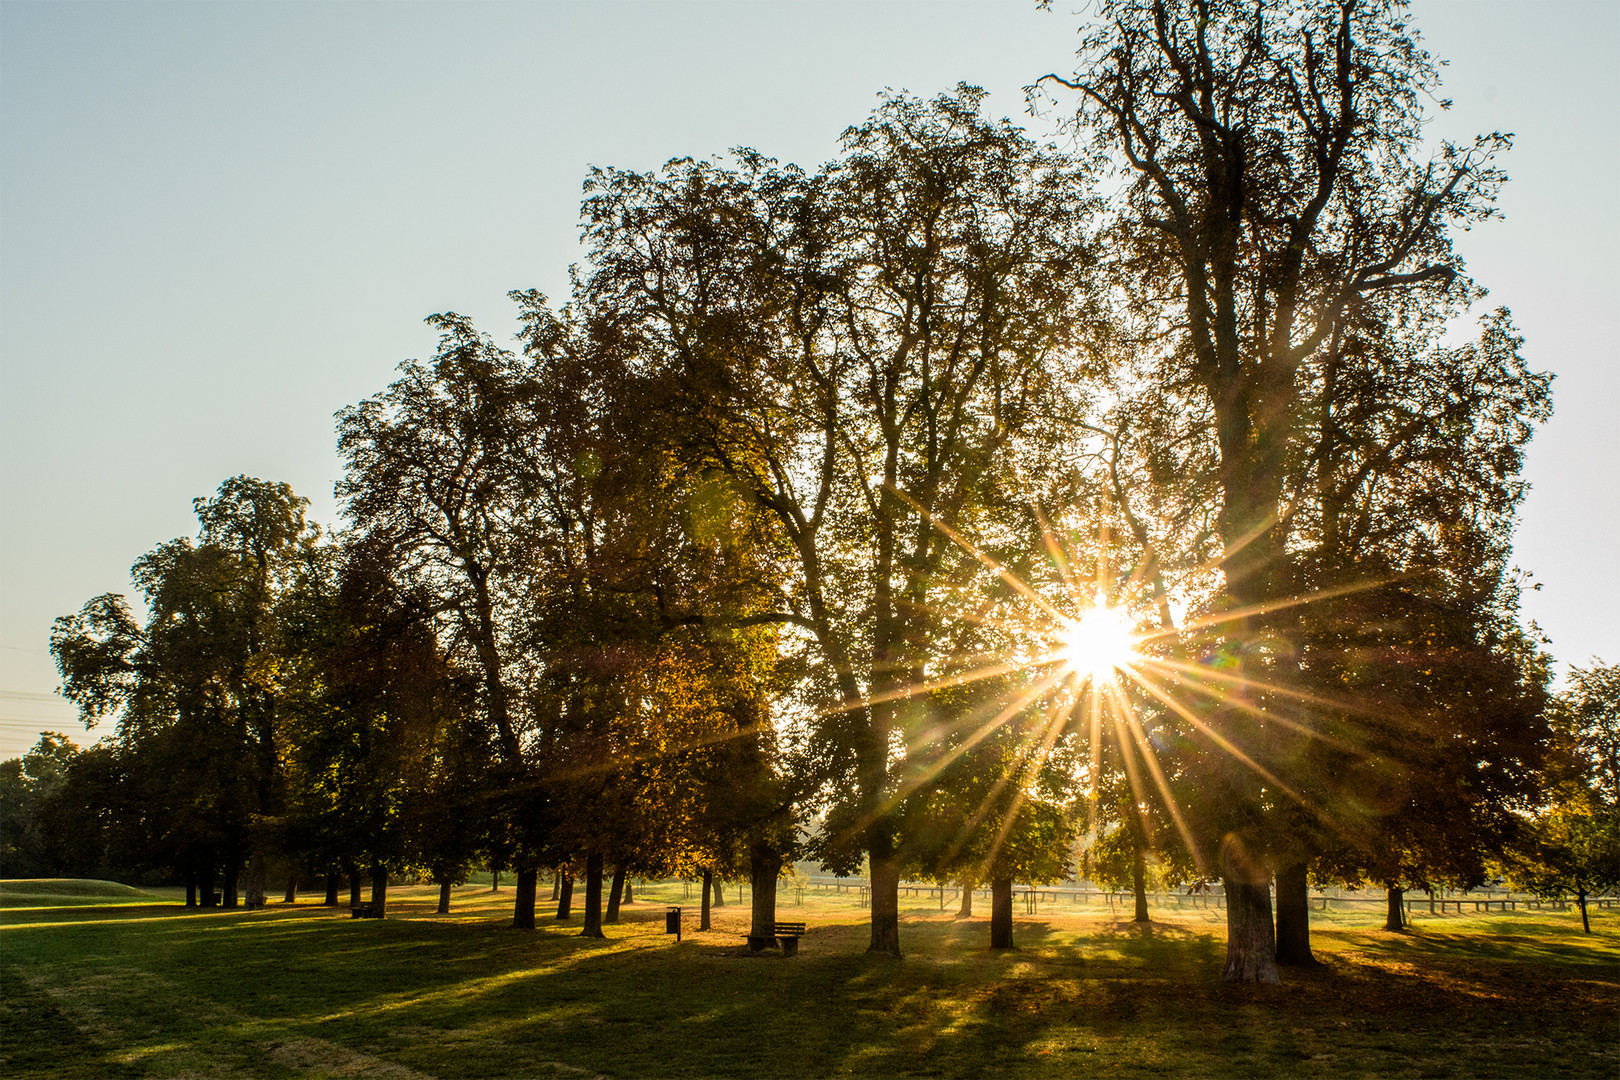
<point>785,934</point>
<point>365,911</point>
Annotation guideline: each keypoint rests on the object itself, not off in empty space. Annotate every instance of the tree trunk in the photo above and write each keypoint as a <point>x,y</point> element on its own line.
<point>1431,901</point>
<point>205,882</point>
<point>379,890</point>
<point>708,885</point>
<point>331,898</point>
<point>615,894</point>
<point>556,886</point>
<point>257,879</point>
<point>444,898</point>
<point>1294,915</point>
<point>966,910</point>
<point>593,896</point>
<point>565,897</point>
<point>1251,943</point>
<point>1394,910</point>
<point>354,888</point>
<point>1139,884</point>
<point>494,881</point>
<point>233,871</point>
<point>191,882</point>
<point>764,865</point>
<point>885,903</point>
<point>629,891</point>
<point>1001,913</point>
<point>528,883</point>
<point>1580,898</point>
<point>719,895</point>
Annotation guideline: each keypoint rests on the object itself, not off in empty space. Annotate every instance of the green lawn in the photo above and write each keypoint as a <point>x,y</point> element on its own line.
<point>133,989</point>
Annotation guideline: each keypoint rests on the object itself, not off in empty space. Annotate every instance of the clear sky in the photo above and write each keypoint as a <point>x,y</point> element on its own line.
<point>220,223</point>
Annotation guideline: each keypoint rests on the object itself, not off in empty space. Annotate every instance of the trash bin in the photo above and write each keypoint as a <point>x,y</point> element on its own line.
<point>672,922</point>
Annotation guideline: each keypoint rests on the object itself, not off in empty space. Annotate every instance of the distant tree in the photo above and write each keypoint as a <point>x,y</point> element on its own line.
<point>26,784</point>
<point>1572,844</point>
<point>197,691</point>
<point>376,696</point>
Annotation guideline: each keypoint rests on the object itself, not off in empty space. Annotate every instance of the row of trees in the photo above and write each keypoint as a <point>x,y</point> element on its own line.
<point>765,543</point>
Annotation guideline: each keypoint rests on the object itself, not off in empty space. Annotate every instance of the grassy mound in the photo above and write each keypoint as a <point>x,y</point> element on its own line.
<point>60,892</point>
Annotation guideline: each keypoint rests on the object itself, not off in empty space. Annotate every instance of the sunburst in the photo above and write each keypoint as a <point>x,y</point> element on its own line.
<point>1098,643</point>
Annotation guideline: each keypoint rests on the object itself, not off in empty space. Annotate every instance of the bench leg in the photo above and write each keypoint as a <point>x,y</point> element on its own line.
<point>790,945</point>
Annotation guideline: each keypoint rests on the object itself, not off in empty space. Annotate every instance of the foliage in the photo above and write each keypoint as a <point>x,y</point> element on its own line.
<point>1572,844</point>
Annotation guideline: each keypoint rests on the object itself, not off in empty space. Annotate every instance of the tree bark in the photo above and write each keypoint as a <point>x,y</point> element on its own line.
<point>629,891</point>
<point>1251,943</point>
<point>1394,909</point>
<point>331,898</point>
<point>256,881</point>
<point>233,872</point>
<point>1139,884</point>
<point>1001,913</point>
<point>885,903</point>
<point>764,865</point>
<point>209,897</point>
<point>291,896</point>
<point>719,895</point>
<point>379,890</point>
<point>354,888</point>
<point>528,883</point>
<point>565,898</point>
<point>444,898</point>
<point>708,885</point>
<point>1294,915</point>
<point>556,886</point>
<point>593,896</point>
<point>1580,898</point>
<point>191,882</point>
<point>966,910</point>
<point>615,894</point>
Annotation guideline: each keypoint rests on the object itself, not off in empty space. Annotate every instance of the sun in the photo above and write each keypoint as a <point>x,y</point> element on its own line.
<point>1097,643</point>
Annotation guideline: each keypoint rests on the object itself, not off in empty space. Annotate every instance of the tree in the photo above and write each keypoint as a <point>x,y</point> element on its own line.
<point>198,690</point>
<point>1273,192</point>
<point>1572,845</point>
<point>865,353</point>
<point>26,784</point>
<point>379,701</point>
<point>433,470</point>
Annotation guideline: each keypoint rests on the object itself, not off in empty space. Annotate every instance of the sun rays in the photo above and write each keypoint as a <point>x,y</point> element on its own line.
<point>1102,665</point>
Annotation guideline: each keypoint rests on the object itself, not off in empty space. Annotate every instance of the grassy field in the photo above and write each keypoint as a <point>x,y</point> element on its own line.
<point>137,986</point>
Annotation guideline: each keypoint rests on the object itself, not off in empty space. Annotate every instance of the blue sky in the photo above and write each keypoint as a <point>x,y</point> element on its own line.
<point>221,223</point>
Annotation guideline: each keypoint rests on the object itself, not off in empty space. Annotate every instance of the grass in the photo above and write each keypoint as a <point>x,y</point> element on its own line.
<point>148,989</point>
<point>59,892</point>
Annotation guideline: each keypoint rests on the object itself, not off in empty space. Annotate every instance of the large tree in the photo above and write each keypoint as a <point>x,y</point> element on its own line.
<point>1274,189</point>
<point>867,352</point>
<point>435,471</point>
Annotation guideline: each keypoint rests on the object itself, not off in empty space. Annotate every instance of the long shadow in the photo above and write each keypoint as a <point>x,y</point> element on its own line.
<point>639,1003</point>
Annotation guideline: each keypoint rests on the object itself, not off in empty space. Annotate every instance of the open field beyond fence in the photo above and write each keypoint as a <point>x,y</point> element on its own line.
<point>135,986</point>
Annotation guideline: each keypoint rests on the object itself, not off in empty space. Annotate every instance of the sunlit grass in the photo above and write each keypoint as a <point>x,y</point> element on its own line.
<point>302,990</point>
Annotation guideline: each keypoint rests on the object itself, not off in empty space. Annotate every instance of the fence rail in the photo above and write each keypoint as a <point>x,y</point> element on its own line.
<point>1032,897</point>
